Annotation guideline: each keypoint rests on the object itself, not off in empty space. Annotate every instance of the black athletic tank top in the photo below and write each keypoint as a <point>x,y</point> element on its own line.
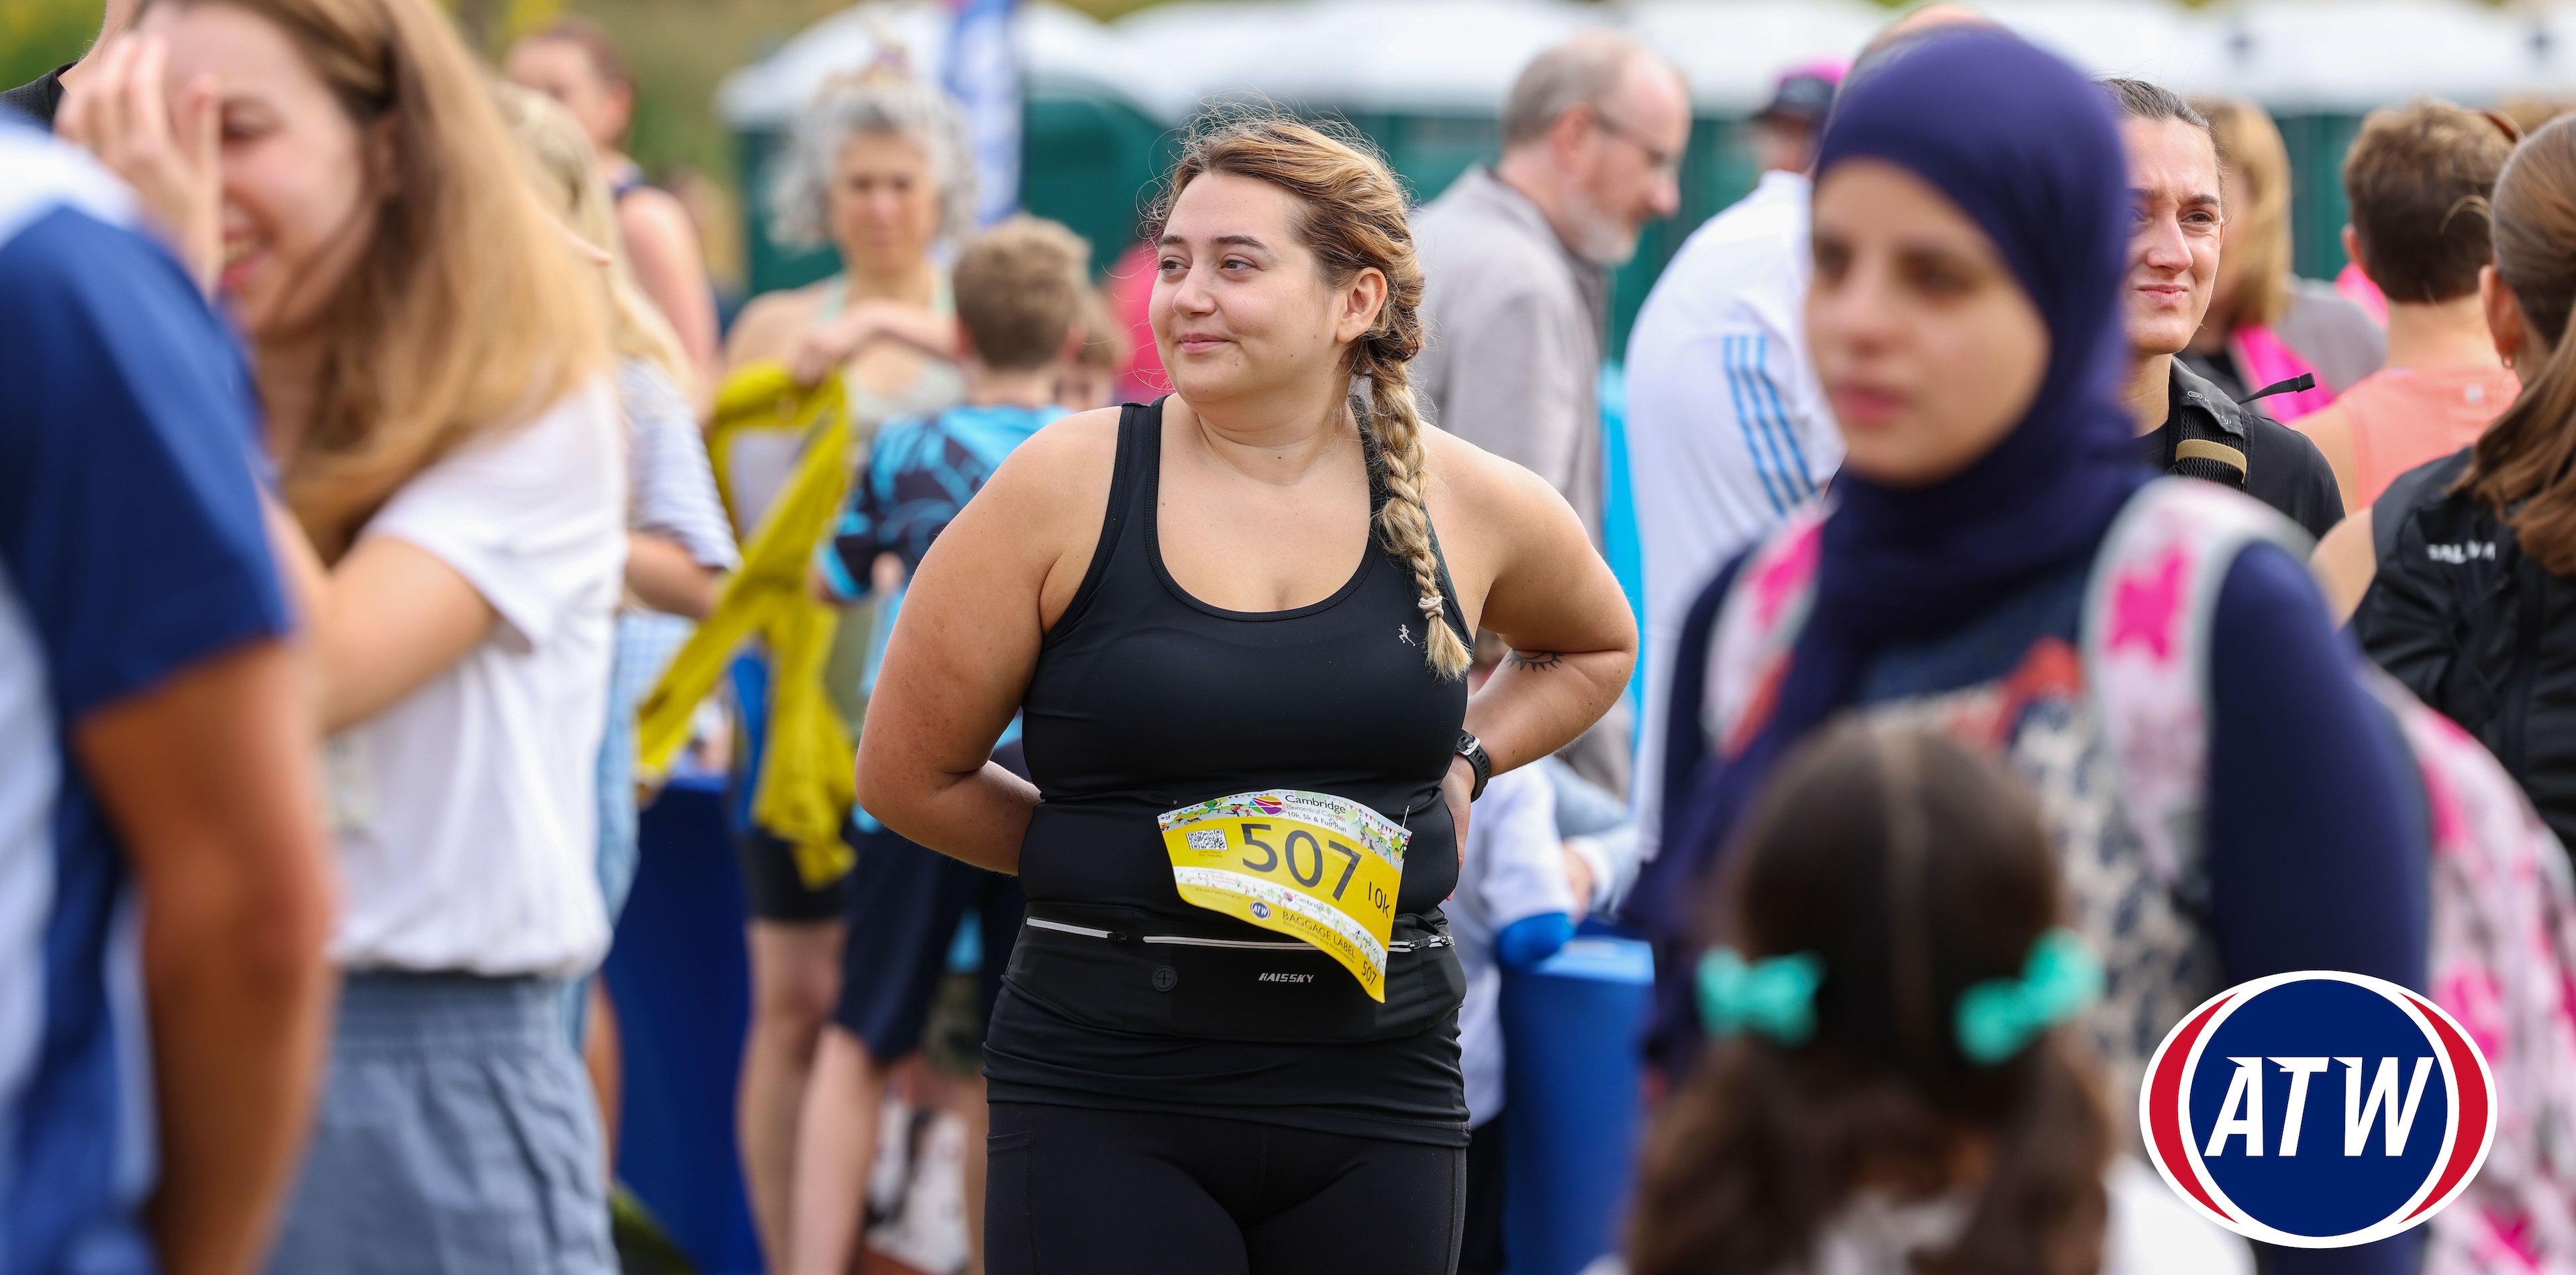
<point>1144,699</point>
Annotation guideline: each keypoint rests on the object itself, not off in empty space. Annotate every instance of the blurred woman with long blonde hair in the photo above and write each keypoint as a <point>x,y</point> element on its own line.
<point>2265,323</point>
<point>678,544</point>
<point>435,367</point>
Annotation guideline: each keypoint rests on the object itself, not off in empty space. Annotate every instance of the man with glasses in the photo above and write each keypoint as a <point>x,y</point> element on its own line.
<point>1517,259</point>
<point>1517,256</point>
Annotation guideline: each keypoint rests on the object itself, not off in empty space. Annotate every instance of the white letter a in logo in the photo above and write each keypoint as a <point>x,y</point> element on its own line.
<point>2244,1095</point>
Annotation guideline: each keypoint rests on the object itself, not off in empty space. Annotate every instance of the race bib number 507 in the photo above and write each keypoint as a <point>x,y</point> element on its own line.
<point>1305,864</point>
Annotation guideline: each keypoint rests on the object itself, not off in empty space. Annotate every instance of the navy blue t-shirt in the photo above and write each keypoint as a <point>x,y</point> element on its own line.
<point>131,548</point>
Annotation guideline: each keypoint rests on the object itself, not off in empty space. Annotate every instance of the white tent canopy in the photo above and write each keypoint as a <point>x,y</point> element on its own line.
<point>1458,56</point>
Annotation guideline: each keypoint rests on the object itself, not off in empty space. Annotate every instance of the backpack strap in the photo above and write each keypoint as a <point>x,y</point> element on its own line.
<point>2148,613</point>
<point>1758,624</point>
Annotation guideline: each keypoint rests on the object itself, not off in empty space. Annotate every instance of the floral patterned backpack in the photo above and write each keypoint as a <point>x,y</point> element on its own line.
<point>2503,946</point>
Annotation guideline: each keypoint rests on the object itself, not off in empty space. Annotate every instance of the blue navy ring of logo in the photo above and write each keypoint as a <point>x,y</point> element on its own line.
<point>2317,1109</point>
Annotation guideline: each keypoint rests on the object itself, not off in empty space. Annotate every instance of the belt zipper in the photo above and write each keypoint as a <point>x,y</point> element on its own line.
<point>1180,940</point>
<point>1185,941</point>
<point>1397,945</point>
<point>1083,930</point>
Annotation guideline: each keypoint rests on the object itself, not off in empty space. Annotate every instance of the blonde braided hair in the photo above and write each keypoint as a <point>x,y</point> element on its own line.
<point>1353,220</point>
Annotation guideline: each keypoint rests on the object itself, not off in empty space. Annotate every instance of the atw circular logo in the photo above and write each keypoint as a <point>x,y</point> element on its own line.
<point>2318,1109</point>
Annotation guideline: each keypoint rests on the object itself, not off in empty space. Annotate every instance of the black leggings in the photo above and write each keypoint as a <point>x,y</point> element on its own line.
<point>1074,1191</point>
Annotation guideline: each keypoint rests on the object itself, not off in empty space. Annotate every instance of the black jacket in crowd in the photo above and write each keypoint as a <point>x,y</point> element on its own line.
<point>2209,435</point>
<point>2477,630</point>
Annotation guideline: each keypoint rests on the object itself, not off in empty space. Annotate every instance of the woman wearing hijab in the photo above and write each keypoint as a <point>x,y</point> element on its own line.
<point>1971,216</point>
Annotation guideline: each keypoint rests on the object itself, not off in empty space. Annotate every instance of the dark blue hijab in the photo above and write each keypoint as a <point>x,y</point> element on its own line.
<point>2028,149</point>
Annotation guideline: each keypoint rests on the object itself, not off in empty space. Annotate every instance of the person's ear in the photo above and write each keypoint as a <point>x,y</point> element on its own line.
<point>2505,324</point>
<point>384,156</point>
<point>1362,298</point>
<point>621,107</point>
<point>1572,132</point>
<point>2352,252</point>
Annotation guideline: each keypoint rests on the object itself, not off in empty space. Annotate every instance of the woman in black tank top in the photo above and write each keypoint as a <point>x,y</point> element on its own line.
<point>1167,595</point>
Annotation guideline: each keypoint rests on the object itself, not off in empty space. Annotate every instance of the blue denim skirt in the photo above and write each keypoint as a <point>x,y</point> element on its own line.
<point>456,1135</point>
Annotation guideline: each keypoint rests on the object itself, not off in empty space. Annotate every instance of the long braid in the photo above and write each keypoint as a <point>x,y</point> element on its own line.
<point>1354,220</point>
<point>1404,522</point>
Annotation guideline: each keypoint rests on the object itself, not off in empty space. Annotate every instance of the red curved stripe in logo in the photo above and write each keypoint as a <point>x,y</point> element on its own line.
<point>2473,1098</point>
<point>2165,1105</point>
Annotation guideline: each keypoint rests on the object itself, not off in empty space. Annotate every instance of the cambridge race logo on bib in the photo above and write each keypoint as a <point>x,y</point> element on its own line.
<point>2317,1110</point>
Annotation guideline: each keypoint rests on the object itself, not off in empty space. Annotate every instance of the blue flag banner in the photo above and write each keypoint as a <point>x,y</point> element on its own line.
<point>983,74</point>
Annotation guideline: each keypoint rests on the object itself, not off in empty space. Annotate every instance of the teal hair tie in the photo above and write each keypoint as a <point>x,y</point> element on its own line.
<point>1775,996</point>
<point>2000,1016</point>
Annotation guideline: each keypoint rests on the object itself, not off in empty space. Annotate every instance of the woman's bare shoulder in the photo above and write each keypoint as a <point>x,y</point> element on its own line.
<point>1059,479</point>
<point>1485,488</point>
<point>770,323</point>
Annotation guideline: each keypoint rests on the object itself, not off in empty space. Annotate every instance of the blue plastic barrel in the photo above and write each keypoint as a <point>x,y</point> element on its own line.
<point>1572,1080</point>
<point>681,979</point>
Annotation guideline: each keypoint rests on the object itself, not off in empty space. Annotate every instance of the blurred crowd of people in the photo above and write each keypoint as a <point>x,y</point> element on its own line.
<point>2048,598</point>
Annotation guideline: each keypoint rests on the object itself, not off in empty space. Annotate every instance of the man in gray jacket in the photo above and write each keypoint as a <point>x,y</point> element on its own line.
<point>1517,256</point>
<point>1516,261</point>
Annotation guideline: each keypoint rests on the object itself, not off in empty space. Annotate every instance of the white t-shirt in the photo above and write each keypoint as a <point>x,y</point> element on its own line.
<point>1513,869</point>
<point>467,812</point>
<point>2150,1233</point>
<point>1727,429</point>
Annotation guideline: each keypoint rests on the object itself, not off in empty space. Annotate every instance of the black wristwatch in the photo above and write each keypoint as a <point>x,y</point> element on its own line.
<point>1482,762</point>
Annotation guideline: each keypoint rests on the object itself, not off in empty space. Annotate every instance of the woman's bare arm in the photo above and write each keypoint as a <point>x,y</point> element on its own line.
<point>768,327</point>
<point>2345,563</point>
<point>960,658</point>
<point>382,622</point>
<point>668,580</point>
<point>662,253</point>
<point>821,349</point>
<point>1546,591</point>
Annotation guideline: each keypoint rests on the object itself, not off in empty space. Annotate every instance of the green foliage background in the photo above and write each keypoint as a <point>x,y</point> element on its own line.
<point>680,49</point>
<point>38,35</point>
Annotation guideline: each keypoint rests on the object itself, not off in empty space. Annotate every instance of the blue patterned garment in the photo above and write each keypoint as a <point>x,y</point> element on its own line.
<point>921,472</point>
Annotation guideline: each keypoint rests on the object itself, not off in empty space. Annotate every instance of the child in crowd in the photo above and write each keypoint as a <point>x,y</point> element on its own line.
<point>1091,379</point>
<point>1020,293</point>
<point>1893,1093</point>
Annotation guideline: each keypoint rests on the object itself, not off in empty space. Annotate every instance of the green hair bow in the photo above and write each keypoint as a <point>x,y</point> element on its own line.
<point>1775,996</point>
<point>2000,1016</point>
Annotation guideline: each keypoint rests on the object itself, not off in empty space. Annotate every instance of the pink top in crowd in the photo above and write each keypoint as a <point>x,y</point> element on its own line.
<point>2403,417</point>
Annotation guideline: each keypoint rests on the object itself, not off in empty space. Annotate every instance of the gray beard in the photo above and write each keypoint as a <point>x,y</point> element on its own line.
<point>1598,237</point>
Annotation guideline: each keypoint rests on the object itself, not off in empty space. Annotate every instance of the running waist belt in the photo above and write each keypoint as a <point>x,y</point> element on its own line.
<point>1127,969</point>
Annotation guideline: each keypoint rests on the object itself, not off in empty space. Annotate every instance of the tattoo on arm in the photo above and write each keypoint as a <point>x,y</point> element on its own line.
<point>1535,661</point>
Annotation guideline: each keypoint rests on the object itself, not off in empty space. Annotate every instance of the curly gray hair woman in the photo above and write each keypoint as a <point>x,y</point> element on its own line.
<point>878,169</point>
<point>882,103</point>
